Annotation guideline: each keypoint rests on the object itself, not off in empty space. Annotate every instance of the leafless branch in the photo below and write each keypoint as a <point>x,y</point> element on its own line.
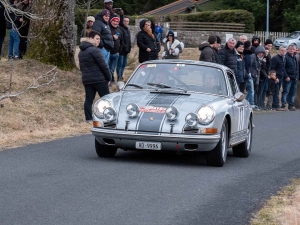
<point>51,74</point>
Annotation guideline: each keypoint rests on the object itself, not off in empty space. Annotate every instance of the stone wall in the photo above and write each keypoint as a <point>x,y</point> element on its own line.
<point>192,39</point>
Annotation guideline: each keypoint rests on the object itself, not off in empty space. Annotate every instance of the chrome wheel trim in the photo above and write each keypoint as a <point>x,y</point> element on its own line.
<point>223,141</point>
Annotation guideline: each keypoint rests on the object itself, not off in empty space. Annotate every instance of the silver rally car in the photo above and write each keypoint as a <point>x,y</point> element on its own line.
<point>176,105</point>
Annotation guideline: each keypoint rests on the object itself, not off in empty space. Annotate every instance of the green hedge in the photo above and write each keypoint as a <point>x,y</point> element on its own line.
<point>225,16</point>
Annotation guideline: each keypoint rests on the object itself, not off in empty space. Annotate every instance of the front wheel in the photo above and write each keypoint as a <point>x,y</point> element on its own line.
<point>217,156</point>
<point>244,149</point>
<point>105,150</point>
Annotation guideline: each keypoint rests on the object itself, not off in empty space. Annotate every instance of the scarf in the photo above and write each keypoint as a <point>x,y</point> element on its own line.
<point>148,30</point>
<point>173,45</point>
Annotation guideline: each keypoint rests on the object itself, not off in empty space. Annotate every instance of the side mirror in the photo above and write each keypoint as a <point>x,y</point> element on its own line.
<point>239,96</point>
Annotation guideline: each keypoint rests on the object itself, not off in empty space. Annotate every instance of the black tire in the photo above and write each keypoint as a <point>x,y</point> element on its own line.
<point>105,150</point>
<point>217,156</point>
<point>244,149</point>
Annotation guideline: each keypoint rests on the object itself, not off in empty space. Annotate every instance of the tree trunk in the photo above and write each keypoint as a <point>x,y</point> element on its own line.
<point>52,40</point>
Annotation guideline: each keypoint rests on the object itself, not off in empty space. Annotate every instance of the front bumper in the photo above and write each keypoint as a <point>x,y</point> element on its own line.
<point>170,142</point>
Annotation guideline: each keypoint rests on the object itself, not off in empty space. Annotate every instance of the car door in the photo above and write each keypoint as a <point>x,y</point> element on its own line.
<point>238,108</point>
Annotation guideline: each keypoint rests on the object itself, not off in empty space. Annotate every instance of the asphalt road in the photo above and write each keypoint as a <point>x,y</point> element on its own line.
<point>64,182</point>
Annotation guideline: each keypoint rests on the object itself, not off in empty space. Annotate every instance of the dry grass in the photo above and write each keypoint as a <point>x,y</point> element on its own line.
<point>283,209</point>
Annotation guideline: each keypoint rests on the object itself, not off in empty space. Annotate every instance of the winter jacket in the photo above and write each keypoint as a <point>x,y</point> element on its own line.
<point>240,68</point>
<point>278,64</point>
<point>271,87</point>
<point>118,43</point>
<point>93,67</point>
<point>228,58</point>
<point>144,41</point>
<point>247,54</point>
<point>217,56</point>
<point>176,46</point>
<point>291,66</point>
<point>207,53</point>
<point>126,48</point>
<point>103,28</point>
<point>263,71</point>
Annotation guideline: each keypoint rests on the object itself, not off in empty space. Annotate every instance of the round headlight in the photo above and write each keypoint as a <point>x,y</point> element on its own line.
<point>191,119</point>
<point>109,114</point>
<point>132,110</point>
<point>172,113</point>
<point>100,106</point>
<point>206,115</point>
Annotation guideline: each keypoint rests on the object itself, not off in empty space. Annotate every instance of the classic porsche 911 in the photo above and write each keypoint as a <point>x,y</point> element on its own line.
<point>176,105</point>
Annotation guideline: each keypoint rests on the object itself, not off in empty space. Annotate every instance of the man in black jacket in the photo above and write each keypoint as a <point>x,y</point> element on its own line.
<point>278,64</point>
<point>228,55</point>
<point>101,25</point>
<point>290,81</point>
<point>95,71</point>
<point>126,48</point>
<point>206,48</point>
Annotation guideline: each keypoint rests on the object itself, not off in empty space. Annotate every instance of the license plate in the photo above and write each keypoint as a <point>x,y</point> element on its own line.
<point>148,145</point>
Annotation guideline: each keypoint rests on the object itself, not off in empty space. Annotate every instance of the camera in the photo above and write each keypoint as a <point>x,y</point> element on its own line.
<point>118,9</point>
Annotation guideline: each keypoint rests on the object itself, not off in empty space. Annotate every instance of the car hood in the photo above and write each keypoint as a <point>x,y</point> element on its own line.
<point>154,104</point>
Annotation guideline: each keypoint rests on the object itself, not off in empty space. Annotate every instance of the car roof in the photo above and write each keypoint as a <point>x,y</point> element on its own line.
<point>190,62</point>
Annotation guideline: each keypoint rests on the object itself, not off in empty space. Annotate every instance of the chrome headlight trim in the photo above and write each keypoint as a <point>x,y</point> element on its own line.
<point>99,108</point>
<point>206,115</point>
<point>132,110</point>
<point>109,114</point>
<point>191,119</point>
<point>172,113</point>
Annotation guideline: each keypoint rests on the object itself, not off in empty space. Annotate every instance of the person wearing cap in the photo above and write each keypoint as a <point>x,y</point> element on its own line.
<point>101,25</point>
<point>118,43</point>
<point>240,68</point>
<point>108,4</point>
<point>207,53</point>
<point>147,42</point>
<point>89,24</point>
<point>95,71</point>
<point>172,47</point>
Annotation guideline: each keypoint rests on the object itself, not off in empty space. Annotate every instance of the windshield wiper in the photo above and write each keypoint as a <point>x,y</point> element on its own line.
<point>135,85</point>
<point>162,85</point>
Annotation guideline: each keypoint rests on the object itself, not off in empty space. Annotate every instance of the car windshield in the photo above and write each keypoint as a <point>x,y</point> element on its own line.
<point>294,35</point>
<point>178,77</point>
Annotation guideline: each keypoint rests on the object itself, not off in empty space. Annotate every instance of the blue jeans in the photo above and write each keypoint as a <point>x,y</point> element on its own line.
<point>1,43</point>
<point>250,88</point>
<point>105,54</point>
<point>13,45</point>
<point>122,62</point>
<point>276,94</point>
<point>113,59</point>
<point>288,93</point>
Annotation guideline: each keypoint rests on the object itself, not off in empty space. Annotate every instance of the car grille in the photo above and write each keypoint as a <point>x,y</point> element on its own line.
<point>110,125</point>
<point>190,130</point>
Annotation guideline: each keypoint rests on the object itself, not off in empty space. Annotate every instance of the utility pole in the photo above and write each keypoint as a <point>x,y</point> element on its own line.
<point>267,25</point>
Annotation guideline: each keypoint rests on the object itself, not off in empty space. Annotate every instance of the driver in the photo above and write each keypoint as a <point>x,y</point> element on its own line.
<point>209,83</point>
<point>162,77</point>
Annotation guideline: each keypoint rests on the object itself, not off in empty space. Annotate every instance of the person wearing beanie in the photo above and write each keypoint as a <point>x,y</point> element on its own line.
<point>269,44</point>
<point>172,47</point>
<point>147,41</point>
<point>240,74</point>
<point>207,53</point>
<point>255,43</point>
<point>89,24</point>
<point>101,25</point>
<point>118,44</point>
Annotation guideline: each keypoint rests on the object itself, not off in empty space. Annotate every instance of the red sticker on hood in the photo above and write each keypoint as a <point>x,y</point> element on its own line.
<point>152,109</point>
